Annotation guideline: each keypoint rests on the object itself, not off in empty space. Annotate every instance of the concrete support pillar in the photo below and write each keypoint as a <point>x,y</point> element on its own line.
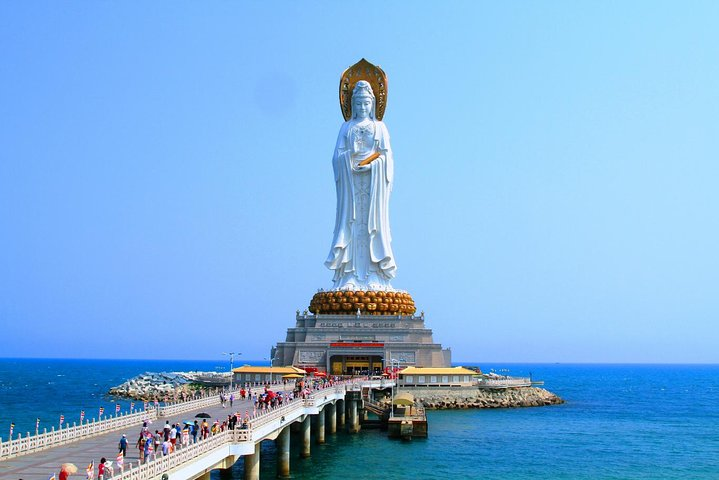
<point>341,413</point>
<point>305,452</point>
<point>331,412</point>
<point>252,464</point>
<point>283,453</point>
<point>354,425</point>
<point>321,428</point>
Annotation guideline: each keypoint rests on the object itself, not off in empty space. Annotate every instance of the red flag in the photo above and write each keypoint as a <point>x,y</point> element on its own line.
<point>82,416</point>
<point>62,419</point>
<point>117,408</point>
<point>102,411</point>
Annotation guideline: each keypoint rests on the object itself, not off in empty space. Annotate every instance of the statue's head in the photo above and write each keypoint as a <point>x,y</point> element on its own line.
<point>363,101</point>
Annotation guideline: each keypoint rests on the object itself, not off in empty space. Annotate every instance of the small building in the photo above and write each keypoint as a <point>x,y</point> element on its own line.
<point>436,377</point>
<point>255,374</point>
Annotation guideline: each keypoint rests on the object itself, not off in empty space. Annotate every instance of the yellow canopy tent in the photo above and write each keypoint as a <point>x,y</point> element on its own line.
<point>404,398</point>
<point>292,375</point>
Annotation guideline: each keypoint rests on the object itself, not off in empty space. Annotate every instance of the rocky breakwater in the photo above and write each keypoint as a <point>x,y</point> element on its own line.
<point>473,397</point>
<point>168,385</point>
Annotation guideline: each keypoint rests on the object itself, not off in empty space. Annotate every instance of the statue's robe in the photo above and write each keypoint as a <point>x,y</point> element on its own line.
<point>341,258</point>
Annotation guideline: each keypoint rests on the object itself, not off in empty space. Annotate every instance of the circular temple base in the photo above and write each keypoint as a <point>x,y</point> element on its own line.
<point>367,302</point>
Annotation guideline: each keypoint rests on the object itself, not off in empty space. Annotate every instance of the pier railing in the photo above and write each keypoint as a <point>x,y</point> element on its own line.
<point>509,382</point>
<point>169,409</point>
<point>33,443</point>
<point>158,466</point>
<point>164,464</point>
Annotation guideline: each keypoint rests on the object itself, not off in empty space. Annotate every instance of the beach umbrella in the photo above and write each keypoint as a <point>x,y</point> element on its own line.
<point>188,422</point>
<point>203,415</point>
<point>68,467</point>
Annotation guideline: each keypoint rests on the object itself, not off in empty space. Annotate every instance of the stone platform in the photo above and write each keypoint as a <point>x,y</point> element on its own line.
<point>359,343</point>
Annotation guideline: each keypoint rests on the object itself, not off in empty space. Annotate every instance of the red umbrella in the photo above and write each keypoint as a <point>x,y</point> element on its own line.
<point>320,374</point>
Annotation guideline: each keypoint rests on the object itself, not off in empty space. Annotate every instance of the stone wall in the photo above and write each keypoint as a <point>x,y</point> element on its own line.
<point>473,397</point>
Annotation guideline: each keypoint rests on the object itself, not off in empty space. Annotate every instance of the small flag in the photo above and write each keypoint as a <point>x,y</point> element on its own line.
<point>12,427</point>
<point>62,419</point>
<point>82,416</point>
<point>132,406</point>
<point>91,470</point>
<point>117,408</point>
<point>102,411</point>
<point>120,460</point>
<point>37,425</point>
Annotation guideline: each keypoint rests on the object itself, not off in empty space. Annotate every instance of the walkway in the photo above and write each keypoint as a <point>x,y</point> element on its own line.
<point>41,464</point>
<point>219,451</point>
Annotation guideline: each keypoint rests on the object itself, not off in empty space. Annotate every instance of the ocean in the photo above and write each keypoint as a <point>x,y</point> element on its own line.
<point>618,422</point>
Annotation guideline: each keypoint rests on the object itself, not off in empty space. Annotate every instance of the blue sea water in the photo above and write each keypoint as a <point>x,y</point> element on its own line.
<point>618,422</point>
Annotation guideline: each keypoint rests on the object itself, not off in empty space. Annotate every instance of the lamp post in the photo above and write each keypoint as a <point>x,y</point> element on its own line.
<point>232,358</point>
<point>271,360</point>
<point>392,361</point>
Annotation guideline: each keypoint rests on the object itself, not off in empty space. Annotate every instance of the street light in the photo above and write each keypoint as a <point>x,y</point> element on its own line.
<point>271,360</point>
<point>232,357</point>
<point>392,361</point>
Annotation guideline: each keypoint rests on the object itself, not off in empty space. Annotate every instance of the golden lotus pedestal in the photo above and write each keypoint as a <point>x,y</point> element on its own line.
<point>371,302</point>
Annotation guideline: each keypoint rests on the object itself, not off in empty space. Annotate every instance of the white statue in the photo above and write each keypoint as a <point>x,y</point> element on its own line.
<point>361,254</point>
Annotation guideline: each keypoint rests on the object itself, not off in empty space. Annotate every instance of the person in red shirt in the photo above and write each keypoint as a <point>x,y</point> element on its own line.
<point>101,469</point>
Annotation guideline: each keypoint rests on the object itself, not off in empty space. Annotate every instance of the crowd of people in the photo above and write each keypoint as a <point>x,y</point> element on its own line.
<point>151,444</point>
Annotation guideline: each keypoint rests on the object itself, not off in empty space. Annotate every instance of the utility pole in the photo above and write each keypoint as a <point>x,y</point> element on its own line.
<point>232,358</point>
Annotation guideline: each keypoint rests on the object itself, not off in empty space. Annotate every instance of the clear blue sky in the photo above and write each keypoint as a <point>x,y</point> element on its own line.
<point>166,186</point>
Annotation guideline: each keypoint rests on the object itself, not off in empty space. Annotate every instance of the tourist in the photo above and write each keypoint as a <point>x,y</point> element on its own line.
<point>123,445</point>
<point>232,399</point>
<point>141,447</point>
<point>166,447</point>
<point>158,440</point>
<point>167,429</point>
<point>101,469</point>
<point>195,429</point>
<point>185,435</point>
<point>173,435</point>
<point>149,450</point>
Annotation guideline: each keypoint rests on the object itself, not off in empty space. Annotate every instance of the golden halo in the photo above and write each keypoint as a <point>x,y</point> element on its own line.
<point>363,70</point>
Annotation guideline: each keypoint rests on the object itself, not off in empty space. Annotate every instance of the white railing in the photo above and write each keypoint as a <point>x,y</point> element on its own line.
<point>158,466</point>
<point>508,382</point>
<point>170,409</point>
<point>164,464</point>
<point>33,443</point>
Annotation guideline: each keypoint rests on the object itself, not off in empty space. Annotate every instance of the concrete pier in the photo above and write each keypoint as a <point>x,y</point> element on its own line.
<point>321,427</point>
<point>252,464</point>
<point>331,412</point>
<point>305,452</point>
<point>354,425</point>
<point>34,460</point>
<point>341,413</point>
<point>283,453</point>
